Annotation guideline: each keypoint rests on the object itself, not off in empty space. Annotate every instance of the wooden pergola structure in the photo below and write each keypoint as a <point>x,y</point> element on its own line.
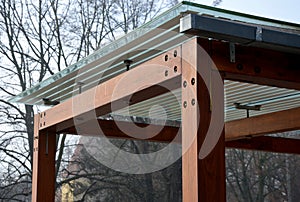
<point>264,54</point>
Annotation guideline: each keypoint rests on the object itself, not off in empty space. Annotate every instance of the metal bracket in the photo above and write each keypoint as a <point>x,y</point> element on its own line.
<point>49,102</point>
<point>258,36</point>
<point>80,84</point>
<point>232,52</point>
<point>247,107</point>
<point>127,63</point>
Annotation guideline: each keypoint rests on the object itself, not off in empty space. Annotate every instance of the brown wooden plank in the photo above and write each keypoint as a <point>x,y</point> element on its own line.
<point>271,123</point>
<point>201,178</point>
<point>119,129</point>
<point>280,121</point>
<point>255,65</point>
<point>150,79</point>
<point>43,173</point>
<point>268,144</point>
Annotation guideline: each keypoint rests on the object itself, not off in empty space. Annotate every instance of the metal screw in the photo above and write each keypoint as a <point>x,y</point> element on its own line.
<point>193,102</point>
<point>184,104</point>
<point>184,84</point>
<point>193,81</point>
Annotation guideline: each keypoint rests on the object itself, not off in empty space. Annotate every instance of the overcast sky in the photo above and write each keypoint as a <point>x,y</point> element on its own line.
<point>287,10</point>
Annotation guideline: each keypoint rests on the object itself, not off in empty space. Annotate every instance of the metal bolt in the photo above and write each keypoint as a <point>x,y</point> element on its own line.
<point>184,84</point>
<point>193,81</point>
<point>175,69</point>
<point>166,58</point>
<point>166,73</point>
<point>193,102</point>
<point>184,104</point>
<point>175,53</point>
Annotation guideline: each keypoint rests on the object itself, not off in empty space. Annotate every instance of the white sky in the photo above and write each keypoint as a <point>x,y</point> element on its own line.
<point>286,10</point>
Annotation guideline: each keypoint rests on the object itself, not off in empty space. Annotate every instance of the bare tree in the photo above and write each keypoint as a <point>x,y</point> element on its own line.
<point>261,176</point>
<point>38,39</point>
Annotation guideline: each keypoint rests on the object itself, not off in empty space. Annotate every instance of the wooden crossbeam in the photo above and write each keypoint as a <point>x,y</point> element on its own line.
<point>152,78</point>
<point>255,65</point>
<point>287,120</point>
<point>120,129</point>
<point>271,123</point>
<point>268,144</point>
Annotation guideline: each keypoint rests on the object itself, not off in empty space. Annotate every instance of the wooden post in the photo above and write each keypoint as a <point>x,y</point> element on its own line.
<point>43,173</point>
<point>203,179</point>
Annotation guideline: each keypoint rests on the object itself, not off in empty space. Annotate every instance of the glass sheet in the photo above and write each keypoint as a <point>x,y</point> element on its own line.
<point>64,84</point>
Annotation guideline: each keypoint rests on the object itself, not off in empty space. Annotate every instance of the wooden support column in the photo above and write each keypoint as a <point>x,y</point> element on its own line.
<point>202,179</point>
<point>43,173</point>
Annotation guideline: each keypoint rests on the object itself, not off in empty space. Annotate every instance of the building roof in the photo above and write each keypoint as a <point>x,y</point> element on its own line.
<point>163,33</point>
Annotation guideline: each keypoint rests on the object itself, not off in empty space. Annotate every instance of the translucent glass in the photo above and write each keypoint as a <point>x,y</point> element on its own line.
<point>62,85</point>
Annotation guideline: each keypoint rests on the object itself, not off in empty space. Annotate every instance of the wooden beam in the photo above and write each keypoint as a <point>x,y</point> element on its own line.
<point>43,172</point>
<point>281,121</point>
<point>119,129</point>
<point>268,144</point>
<point>152,78</point>
<point>201,178</point>
<point>287,120</point>
<point>255,65</point>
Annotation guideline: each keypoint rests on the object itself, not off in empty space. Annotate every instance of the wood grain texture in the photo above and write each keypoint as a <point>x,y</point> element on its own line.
<point>150,79</point>
<point>255,65</point>
<point>271,123</point>
<point>203,179</point>
<point>43,180</point>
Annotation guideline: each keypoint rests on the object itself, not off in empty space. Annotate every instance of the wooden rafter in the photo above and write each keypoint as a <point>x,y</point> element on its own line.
<point>287,120</point>
<point>268,144</point>
<point>271,123</point>
<point>255,65</point>
<point>119,129</point>
<point>152,78</point>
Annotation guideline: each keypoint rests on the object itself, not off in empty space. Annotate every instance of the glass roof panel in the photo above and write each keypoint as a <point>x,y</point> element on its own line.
<point>160,34</point>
